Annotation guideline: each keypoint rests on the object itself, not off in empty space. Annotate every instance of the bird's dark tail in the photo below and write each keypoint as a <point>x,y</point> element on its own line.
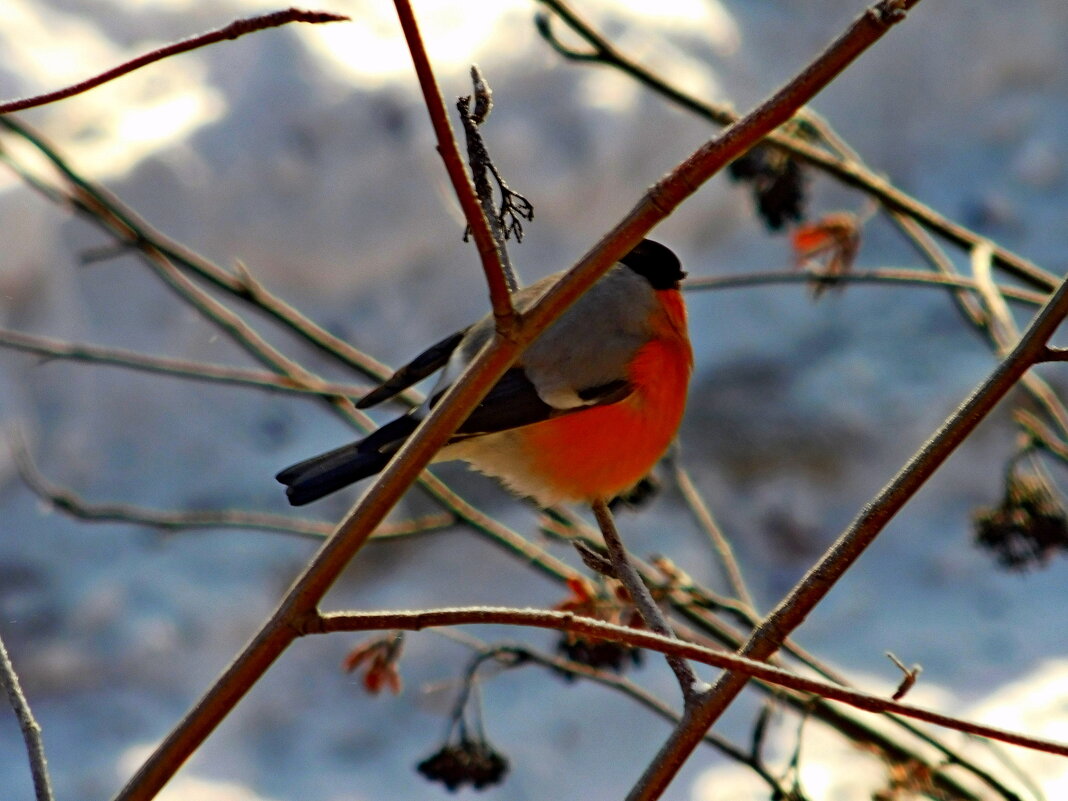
<point>328,472</point>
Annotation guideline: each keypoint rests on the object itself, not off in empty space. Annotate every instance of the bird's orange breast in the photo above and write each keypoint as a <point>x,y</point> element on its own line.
<point>605,450</point>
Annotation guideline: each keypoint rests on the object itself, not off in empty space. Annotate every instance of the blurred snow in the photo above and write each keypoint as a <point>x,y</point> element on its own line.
<point>833,770</point>
<point>186,787</point>
<point>305,152</point>
<point>119,124</point>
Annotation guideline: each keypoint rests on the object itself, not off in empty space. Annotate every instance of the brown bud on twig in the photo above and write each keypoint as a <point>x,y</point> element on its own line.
<point>911,674</point>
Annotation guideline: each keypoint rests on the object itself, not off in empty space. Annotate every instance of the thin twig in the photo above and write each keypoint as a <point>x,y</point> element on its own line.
<point>795,607</point>
<point>495,532</point>
<point>31,730</point>
<point>179,368</point>
<point>120,221</point>
<point>496,278</point>
<point>480,164</point>
<point>693,603</point>
<point>685,602</point>
<point>232,31</point>
<point>972,309</point>
<point>925,244</point>
<point>640,596</point>
<point>100,207</point>
<point>999,321</point>
<point>845,170</point>
<point>147,238</point>
<point>566,525</point>
<point>228,321</point>
<point>316,623</point>
<point>525,654</point>
<point>880,276</point>
<point>1039,389</point>
<point>916,234</point>
<point>74,505</point>
<point>1000,327</point>
<point>720,544</point>
<point>911,675</point>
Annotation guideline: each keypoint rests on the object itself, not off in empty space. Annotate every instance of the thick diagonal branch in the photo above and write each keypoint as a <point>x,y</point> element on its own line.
<point>796,606</point>
<point>483,372</point>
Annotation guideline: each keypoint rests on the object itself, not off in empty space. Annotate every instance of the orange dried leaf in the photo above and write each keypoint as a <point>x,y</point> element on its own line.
<point>382,674</point>
<point>358,654</point>
<point>581,589</point>
<point>835,236</point>
<point>383,653</point>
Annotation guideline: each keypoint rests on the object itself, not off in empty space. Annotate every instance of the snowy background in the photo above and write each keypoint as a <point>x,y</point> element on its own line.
<point>305,152</point>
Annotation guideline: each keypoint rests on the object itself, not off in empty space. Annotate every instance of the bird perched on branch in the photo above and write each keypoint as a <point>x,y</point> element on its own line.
<point>583,415</point>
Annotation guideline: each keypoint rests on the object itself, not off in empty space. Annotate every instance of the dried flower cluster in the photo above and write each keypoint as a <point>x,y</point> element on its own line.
<point>1027,527</point>
<point>610,605</point>
<point>470,761</point>
<point>778,184</point>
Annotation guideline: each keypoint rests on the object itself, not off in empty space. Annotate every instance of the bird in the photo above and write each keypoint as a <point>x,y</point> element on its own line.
<point>583,415</point>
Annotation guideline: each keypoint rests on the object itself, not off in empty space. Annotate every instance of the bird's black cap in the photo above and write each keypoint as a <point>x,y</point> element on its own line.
<point>656,264</point>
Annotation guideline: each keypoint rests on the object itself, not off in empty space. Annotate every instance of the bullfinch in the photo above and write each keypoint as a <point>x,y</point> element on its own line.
<point>583,415</point>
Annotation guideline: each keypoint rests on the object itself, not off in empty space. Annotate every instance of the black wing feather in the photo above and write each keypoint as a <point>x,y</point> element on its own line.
<point>514,402</point>
<point>427,362</point>
<point>328,472</point>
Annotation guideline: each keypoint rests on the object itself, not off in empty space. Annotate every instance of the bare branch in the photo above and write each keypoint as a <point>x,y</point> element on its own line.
<point>74,505</point>
<point>1039,389</point>
<point>147,239</point>
<point>621,684</point>
<point>505,222</point>
<point>316,623</point>
<point>999,321</point>
<point>720,544</point>
<point>796,606</point>
<point>972,309</point>
<point>31,731</point>
<point>696,603</point>
<point>843,168</point>
<point>1053,354</point>
<point>76,351</point>
<point>881,276</point>
<point>496,277</point>
<point>137,235</point>
<point>125,220</point>
<point>232,31</point>
<point>691,685</point>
